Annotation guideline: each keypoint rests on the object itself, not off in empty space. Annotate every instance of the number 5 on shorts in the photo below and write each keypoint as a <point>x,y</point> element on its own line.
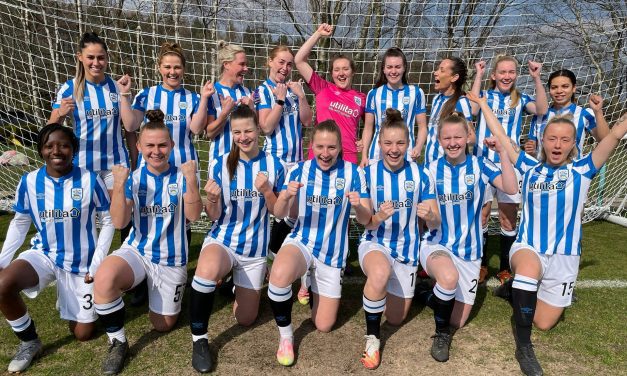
<point>178,293</point>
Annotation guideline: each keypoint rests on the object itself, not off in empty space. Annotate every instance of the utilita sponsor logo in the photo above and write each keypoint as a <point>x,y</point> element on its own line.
<point>343,109</point>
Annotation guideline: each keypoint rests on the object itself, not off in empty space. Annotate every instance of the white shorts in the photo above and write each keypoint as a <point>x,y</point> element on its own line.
<point>166,284</point>
<point>107,178</point>
<point>325,280</point>
<point>468,270</point>
<point>75,297</point>
<point>559,275</point>
<point>492,191</point>
<point>248,272</point>
<point>402,280</point>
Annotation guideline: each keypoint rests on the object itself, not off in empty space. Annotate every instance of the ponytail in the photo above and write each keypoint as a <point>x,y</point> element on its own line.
<point>458,68</point>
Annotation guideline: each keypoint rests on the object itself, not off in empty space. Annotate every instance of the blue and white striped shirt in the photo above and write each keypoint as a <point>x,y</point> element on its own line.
<point>553,200</point>
<point>97,124</point>
<point>178,106</point>
<point>460,192</point>
<point>158,215</point>
<point>405,188</point>
<point>509,117</point>
<point>286,141</point>
<point>324,209</point>
<point>222,143</point>
<point>582,117</point>
<point>64,213</point>
<point>409,100</point>
<point>433,149</point>
<point>244,224</point>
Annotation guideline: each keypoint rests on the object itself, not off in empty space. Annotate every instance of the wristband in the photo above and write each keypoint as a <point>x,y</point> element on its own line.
<point>280,102</point>
<point>127,94</point>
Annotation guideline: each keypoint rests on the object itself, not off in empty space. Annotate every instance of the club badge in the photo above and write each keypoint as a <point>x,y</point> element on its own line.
<point>409,185</point>
<point>340,183</point>
<point>469,179</point>
<point>173,189</point>
<point>77,194</point>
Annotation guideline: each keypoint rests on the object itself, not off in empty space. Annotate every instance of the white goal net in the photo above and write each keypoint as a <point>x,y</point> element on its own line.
<point>38,42</point>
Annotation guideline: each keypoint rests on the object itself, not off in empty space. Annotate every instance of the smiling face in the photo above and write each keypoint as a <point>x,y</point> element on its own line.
<point>245,136</point>
<point>95,60</point>
<point>558,142</point>
<point>172,71</point>
<point>326,148</point>
<point>394,143</point>
<point>504,75</point>
<point>453,137</point>
<point>342,73</point>
<point>155,146</point>
<point>58,153</point>
<point>281,66</point>
<point>393,70</point>
<point>444,77</point>
<point>562,90</point>
<point>236,69</point>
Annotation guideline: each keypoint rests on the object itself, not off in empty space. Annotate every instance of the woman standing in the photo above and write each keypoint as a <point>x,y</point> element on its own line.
<point>336,100</point>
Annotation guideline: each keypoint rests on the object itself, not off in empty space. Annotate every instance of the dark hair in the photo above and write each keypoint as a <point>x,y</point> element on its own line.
<point>393,120</point>
<point>340,57</point>
<point>391,52</point>
<point>458,68</point>
<point>455,118</point>
<point>240,112</point>
<point>79,85</point>
<point>331,127</point>
<point>45,132</point>
<point>170,48</point>
<point>564,73</point>
<point>155,122</point>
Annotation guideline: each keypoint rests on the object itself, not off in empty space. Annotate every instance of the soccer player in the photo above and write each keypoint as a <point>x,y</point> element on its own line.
<point>229,92</point>
<point>320,193</point>
<point>450,77</point>
<point>62,201</point>
<point>392,91</point>
<point>159,197</point>
<point>241,192</point>
<point>96,104</point>
<point>452,253</point>
<point>401,192</point>
<point>336,100</point>
<point>562,88</point>
<point>283,111</point>
<point>509,105</point>
<point>545,256</point>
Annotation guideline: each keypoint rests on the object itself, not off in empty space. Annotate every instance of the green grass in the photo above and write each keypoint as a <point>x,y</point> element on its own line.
<point>590,339</point>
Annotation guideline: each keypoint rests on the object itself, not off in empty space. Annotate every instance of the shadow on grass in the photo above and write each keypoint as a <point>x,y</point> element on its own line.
<point>388,330</point>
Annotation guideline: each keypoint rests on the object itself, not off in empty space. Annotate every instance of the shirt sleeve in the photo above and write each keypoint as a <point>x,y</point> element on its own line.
<point>525,162</point>
<point>463,106</point>
<point>427,185</point>
<point>101,195</point>
<point>533,129</point>
<point>279,176</point>
<point>420,104</point>
<point>525,100</point>
<point>317,83</point>
<point>16,233</point>
<point>139,103</point>
<point>262,98</point>
<point>211,106</point>
<point>293,175</point>
<point>591,120</point>
<point>22,204</point>
<point>490,170</point>
<point>359,183</point>
<point>370,105</point>
<point>128,191</point>
<point>585,166</point>
<point>215,170</point>
<point>65,91</point>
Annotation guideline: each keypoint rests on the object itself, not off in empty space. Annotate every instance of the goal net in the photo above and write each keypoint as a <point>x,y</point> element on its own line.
<point>39,39</point>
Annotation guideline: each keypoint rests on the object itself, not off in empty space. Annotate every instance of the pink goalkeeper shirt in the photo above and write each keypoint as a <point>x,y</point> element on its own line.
<point>346,107</point>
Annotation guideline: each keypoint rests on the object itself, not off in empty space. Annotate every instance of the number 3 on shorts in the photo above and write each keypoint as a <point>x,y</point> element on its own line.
<point>178,293</point>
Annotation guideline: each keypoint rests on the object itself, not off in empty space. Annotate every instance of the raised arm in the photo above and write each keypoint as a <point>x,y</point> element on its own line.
<point>286,198</point>
<point>494,125</point>
<point>215,125</point>
<point>302,56</point>
<point>602,129</point>
<point>541,106</point>
<point>476,84</point>
<point>130,119</point>
<point>121,207</point>
<point>199,120</point>
<point>262,184</point>
<point>191,197</point>
<point>606,147</point>
<point>507,181</point>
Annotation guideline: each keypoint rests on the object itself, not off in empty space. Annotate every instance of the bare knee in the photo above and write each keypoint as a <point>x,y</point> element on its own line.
<point>246,319</point>
<point>544,325</point>
<point>82,332</point>
<point>448,280</point>
<point>163,324</point>
<point>378,278</point>
<point>395,319</point>
<point>324,327</point>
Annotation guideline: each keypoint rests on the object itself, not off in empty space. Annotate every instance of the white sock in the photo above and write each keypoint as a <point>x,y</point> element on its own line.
<point>286,331</point>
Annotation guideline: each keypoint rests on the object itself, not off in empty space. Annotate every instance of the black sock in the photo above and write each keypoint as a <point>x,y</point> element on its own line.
<point>280,230</point>
<point>188,234</point>
<point>112,321</point>
<point>125,231</point>
<point>200,307</point>
<point>442,311</point>
<point>281,304</point>
<point>373,323</point>
<point>28,334</point>
<point>506,245</point>
<point>484,253</point>
<point>524,306</point>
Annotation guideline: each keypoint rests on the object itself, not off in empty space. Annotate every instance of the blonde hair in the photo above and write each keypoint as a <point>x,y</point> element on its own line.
<point>455,118</point>
<point>227,52</point>
<point>563,119</point>
<point>513,94</point>
<point>170,48</point>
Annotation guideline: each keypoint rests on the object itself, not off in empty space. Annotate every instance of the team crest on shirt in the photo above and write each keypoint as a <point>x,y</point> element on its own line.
<point>182,105</point>
<point>173,189</point>
<point>113,97</point>
<point>358,100</point>
<point>409,185</point>
<point>406,100</point>
<point>469,179</point>
<point>340,183</point>
<point>76,194</point>
<point>562,175</point>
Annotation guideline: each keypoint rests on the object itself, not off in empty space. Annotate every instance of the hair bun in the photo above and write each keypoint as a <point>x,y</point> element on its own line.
<point>221,44</point>
<point>392,114</point>
<point>155,116</point>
